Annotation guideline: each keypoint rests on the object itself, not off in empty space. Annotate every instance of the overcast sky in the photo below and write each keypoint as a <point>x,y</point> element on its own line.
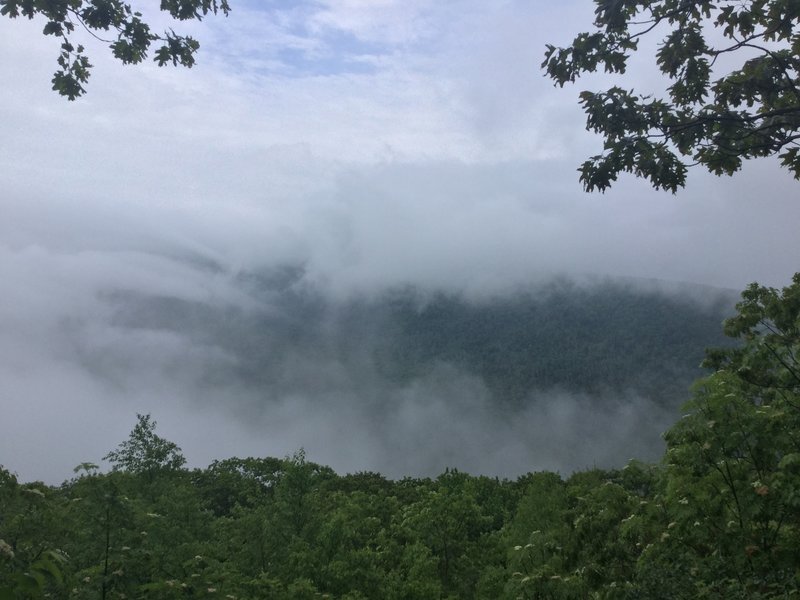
<point>377,142</point>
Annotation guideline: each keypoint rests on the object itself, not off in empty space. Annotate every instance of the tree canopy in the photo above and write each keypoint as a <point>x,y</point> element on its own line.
<point>130,41</point>
<point>707,117</point>
<point>144,451</point>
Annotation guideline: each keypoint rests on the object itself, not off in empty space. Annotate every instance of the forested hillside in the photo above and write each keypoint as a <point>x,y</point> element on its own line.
<point>602,337</point>
<point>605,337</point>
<point>559,374</point>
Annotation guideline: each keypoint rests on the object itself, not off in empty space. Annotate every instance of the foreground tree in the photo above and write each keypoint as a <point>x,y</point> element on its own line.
<point>145,452</point>
<point>731,500</point>
<point>768,321</point>
<point>131,37</point>
<point>733,466</point>
<point>707,118</point>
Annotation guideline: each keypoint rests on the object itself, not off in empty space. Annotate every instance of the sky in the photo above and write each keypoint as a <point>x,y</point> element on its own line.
<point>375,142</point>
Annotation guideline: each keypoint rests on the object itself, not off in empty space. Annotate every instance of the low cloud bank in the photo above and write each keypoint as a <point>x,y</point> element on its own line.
<point>90,338</point>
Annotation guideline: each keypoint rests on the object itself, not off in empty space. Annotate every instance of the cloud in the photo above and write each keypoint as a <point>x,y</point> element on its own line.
<point>376,144</point>
<point>388,22</point>
<point>70,396</point>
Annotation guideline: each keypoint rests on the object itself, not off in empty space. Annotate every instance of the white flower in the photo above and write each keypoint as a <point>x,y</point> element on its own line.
<point>6,550</point>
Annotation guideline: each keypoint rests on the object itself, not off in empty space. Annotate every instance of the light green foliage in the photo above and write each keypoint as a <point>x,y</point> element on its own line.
<point>587,538</point>
<point>731,500</point>
<point>130,37</point>
<point>31,522</point>
<point>144,452</point>
<point>106,542</point>
<point>733,463</point>
<point>453,526</point>
<point>710,118</point>
<point>540,507</point>
<point>45,573</point>
<point>768,321</point>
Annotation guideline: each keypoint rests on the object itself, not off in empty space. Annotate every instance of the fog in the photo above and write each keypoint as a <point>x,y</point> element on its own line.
<point>92,337</point>
<point>368,147</point>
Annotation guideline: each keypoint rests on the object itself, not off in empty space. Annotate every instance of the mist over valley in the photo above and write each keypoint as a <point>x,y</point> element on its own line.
<point>561,374</point>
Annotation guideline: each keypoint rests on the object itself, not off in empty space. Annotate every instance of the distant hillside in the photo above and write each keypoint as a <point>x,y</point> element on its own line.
<point>608,337</point>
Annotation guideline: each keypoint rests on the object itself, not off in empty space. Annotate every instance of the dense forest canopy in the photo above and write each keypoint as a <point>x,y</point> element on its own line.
<point>600,336</point>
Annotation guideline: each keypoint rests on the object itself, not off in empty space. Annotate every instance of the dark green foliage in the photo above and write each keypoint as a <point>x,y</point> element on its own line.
<point>716,120</point>
<point>144,452</point>
<point>131,38</point>
<point>237,482</point>
<point>767,321</point>
<point>593,339</point>
<point>603,339</point>
<point>31,566</point>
